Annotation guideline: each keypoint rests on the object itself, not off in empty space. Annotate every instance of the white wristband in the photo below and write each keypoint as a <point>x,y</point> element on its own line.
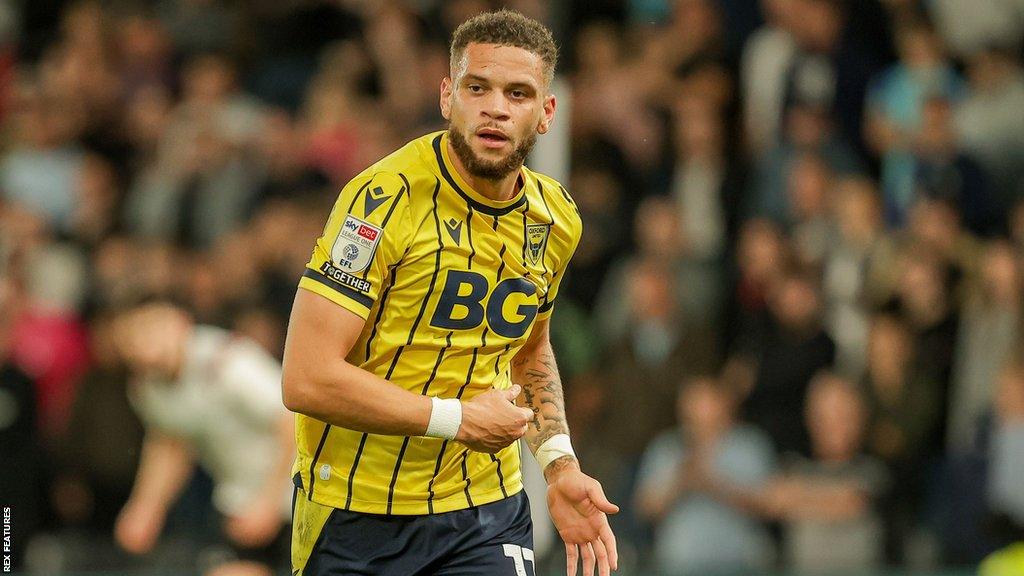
<point>554,448</point>
<point>445,417</point>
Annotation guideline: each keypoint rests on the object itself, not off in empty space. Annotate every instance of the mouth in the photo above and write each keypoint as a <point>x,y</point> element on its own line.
<point>492,137</point>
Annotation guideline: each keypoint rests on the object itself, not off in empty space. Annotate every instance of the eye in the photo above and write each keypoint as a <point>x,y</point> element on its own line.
<point>476,88</point>
<point>518,94</point>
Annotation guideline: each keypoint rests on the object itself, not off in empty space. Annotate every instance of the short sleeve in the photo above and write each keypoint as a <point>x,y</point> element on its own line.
<point>367,233</point>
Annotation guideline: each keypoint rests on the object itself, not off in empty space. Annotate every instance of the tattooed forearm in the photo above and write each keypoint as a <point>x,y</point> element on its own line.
<point>535,370</point>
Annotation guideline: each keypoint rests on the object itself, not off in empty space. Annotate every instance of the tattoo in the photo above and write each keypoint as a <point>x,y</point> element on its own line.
<point>557,465</point>
<point>542,391</point>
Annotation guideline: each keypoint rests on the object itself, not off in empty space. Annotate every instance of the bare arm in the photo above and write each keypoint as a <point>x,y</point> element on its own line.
<point>653,502</point>
<point>319,382</point>
<point>576,502</point>
<point>166,465</point>
<point>261,520</point>
<point>535,370</point>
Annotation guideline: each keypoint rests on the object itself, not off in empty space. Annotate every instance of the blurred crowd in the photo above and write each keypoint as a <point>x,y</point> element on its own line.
<point>790,337</point>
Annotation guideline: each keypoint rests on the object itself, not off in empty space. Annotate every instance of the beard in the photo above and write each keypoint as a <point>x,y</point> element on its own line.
<point>488,169</point>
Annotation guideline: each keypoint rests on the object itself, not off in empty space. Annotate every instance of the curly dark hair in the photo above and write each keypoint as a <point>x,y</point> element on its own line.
<point>506,28</point>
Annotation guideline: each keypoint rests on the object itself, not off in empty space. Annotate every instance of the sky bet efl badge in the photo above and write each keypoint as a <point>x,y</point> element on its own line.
<point>536,238</point>
<point>355,245</point>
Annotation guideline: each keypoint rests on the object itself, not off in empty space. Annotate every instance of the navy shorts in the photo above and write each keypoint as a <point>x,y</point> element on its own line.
<point>494,539</point>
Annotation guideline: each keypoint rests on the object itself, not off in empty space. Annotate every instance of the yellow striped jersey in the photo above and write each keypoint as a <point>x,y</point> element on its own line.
<point>450,284</point>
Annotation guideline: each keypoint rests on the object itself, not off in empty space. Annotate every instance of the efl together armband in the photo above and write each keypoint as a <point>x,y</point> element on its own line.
<point>554,448</point>
<point>445,418</point>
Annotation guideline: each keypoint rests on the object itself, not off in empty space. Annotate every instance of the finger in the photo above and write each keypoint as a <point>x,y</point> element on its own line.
<point>602,557</point>
<point>589,560</point>
<point>596,495</point>
<point>572,559</point>
<point>513,392</point>
<point>610,544</point>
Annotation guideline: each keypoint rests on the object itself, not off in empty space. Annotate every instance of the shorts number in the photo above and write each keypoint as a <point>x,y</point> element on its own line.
<point>520,556</point>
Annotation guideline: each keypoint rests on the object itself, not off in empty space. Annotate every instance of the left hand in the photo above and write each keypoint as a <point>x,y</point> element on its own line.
<point>257,527</point>
<point>579,509</point>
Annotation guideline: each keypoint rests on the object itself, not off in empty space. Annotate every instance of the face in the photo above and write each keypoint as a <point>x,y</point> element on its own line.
<point>796,303</point>
<point>857,210</point>
<point>888,346</point>
<point>651,294</point>
<point>705,409</point>
<point>835,419</point>
<point>1000,269</point>
<point>496,103</point>
<point>150,339</point>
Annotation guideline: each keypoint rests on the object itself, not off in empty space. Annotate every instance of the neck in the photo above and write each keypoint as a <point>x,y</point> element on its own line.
<point>499,190</point>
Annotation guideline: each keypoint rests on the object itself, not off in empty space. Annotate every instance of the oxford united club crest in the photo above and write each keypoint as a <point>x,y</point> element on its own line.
<point>536,240</point>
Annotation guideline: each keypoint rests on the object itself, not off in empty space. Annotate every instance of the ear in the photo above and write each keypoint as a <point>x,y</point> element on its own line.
<point>446,98</point>
<point>549,114</point>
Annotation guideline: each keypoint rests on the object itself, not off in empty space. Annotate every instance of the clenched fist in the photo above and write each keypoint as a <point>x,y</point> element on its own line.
<point>491,421</point>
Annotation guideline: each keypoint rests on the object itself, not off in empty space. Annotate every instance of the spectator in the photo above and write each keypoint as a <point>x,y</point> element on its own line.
<point>897,97</point>
<point>903,405</point>
<point>762,256</point>
<point>977,509</point>
<point>792,350</point>
<point>988,122</point>
<point>767,56</point>
<point>842,48</point>
<point>904,413</point>
<point>704,184</point>
<point>1007,448</point>
<point>896,111</point>
<point>924,300</point>
<point>686,480</point>
<point>990,331</point>
<point>968,28</point>
<point>200,183</point>
<point>642,365</point>
<point>661,240</point>
<point>828,503</point>
<point>48,339</point>
<point>808,132</point>
<point>808,197</point>
<point>43,163</point>
<point>945,173</point>
<point>860,251</point>
<point>935,227</point>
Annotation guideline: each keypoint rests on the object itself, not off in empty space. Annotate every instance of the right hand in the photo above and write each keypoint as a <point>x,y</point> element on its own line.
<point>491,421</point>
<point>138,528</point>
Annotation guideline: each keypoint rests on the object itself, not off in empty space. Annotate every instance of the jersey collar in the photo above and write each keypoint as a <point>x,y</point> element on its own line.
<point>478,201</point>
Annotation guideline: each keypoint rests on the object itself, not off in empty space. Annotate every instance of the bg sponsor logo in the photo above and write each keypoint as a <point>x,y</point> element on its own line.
<point>464,304</point>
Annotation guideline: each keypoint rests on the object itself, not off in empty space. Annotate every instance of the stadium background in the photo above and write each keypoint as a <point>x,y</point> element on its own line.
<point>770,189</point>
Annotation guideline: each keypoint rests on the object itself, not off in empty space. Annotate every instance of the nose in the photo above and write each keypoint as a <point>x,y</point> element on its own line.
<point>496,107</point>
